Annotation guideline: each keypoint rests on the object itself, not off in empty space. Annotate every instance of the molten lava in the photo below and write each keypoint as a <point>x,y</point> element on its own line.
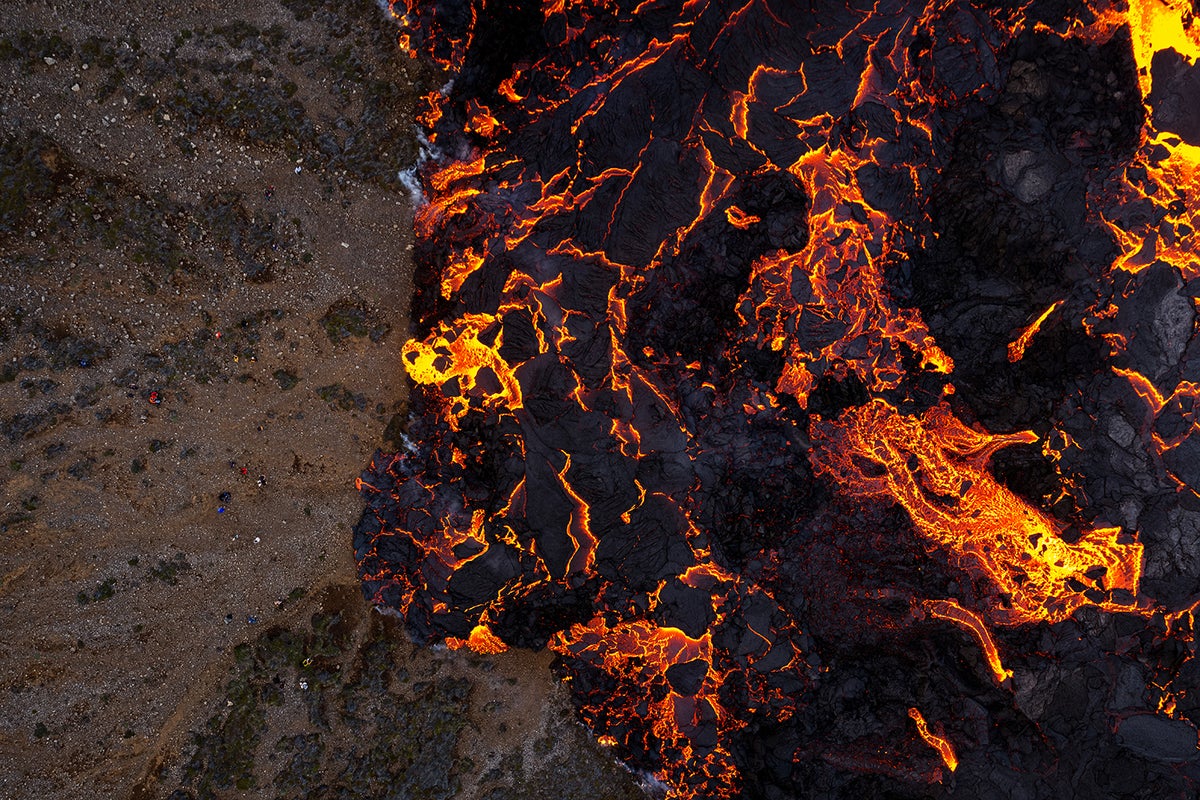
<point>944,748</point>
<point>935,467</point>
<point>675,420</point>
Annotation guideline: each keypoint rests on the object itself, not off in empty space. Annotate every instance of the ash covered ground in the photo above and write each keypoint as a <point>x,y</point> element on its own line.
<point>204,291</point>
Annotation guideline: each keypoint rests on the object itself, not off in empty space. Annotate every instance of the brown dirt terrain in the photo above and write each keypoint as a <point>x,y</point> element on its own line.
<point>203,293</point>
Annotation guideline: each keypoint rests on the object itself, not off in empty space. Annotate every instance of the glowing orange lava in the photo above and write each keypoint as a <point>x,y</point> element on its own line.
<point>939,743</point>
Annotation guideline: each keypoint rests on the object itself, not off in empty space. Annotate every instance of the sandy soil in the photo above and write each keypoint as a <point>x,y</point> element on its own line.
<point>203,295</point>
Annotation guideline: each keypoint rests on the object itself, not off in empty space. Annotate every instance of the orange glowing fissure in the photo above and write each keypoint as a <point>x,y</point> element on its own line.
<point>1016,348</point>
<point>939,743</point>
<point>936,467</point>
<point>969,620</point>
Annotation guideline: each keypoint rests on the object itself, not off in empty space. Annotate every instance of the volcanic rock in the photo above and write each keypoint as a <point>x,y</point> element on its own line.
<point>1158,737</point>
<point>1176,85</point>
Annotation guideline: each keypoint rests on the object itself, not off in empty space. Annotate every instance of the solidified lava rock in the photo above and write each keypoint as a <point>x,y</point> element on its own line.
<point>1175,81</point>
<point>1012,231</point>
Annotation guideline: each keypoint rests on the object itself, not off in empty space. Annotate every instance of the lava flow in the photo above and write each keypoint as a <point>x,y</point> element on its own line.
<point>787,368</point>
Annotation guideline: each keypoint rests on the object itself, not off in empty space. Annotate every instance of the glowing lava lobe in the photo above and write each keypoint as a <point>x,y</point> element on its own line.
<point>937,469</point>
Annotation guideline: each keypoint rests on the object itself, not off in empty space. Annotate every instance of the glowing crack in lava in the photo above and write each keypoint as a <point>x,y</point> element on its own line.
<point>690,410</point>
